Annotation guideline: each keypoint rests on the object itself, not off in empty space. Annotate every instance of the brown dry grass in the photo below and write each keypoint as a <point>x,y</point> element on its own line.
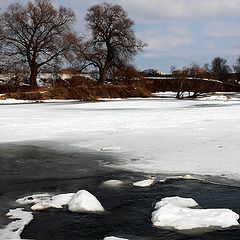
<point>82,89</point>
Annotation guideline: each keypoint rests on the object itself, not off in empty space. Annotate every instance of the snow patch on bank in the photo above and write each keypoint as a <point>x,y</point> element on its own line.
<point>14,229</point>
<point>177,213</point>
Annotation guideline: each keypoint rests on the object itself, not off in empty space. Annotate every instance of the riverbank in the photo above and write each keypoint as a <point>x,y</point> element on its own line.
<point>76,89</point>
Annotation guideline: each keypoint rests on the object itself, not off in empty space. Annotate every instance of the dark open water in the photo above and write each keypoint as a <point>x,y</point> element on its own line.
<point>34,168</point>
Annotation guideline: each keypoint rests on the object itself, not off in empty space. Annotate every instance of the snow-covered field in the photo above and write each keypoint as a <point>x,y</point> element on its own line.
<point>150,135</point>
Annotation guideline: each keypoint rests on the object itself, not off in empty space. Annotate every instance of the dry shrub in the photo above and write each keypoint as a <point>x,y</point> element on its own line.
<point>80,88</point>
<point>27,95</point>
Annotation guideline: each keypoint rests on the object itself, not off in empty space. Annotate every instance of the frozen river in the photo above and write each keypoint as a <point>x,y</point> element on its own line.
<point>152,135</point>
<point>64,147</point>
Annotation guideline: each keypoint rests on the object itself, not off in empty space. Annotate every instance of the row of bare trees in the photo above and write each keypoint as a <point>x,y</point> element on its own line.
<point>38,35</point>
<point>217,69</point>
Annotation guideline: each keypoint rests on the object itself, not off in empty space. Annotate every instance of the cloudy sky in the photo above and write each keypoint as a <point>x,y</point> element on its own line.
<point>177,32</point>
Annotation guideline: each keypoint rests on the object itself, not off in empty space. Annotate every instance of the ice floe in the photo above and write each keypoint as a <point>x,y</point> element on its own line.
<point>113,183</point>
<point>144,183</point>
<point>177,213</point>
<point>45,201</point>
<point>14,229</point>
<point>33,199</point>
<point>184,177</point>
<point>44,205</point>
<point>81,201</point>
<point>84,201</point>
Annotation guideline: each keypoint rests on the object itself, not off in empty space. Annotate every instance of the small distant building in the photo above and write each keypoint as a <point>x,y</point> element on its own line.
<point>153,72</point>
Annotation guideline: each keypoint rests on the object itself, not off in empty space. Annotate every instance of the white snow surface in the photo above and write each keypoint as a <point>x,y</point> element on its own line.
<point>176,212</point>
<point>14,229</point>
<point>84,201</point>
<point>144,183</point>
<point>161,135</point>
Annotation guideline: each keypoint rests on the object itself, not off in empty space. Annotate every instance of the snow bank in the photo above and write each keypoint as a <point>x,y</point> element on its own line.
<point>176,212</point>
<point>15,228</point>
<point>114,238</point>
<point>15,101</point>
<point>144,183</point>
<point>84,201</point>
<point>113,183</point>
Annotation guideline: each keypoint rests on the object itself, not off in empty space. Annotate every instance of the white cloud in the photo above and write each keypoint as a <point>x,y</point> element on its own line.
<point>222,29</point>
<point>161,40</point>
<point>156,10</point>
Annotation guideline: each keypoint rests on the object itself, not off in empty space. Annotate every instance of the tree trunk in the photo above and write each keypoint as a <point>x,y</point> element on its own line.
<point>33,77</point>
<point>103,71</point>
<point>102,75</point>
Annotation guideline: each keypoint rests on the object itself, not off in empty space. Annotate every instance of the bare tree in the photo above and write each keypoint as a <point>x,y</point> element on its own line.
<point>36,34</point>
<point>236,66</point>
<point>219,68</point>
<point>112,42</point>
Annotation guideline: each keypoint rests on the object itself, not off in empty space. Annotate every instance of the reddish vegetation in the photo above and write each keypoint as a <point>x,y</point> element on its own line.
<point>80,89</point>
<point>190,85</point>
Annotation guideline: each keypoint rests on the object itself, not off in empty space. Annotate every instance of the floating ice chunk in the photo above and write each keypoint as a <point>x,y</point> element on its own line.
<point>62,199</point>
<point>113,183</point>
<point>110,149</point>
<point>185,177</point>
<point>84,201</point>
<point>33,199</point>
<point>44,201</point>
<point>15,228</point>
<point>175,212</point>
<point>177,201</point>
<point>44,205</point>
<point>114,238</point>
<point>144,183</point>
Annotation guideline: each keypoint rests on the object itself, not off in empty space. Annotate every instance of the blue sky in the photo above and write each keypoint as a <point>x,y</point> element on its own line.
<point>177,32</point>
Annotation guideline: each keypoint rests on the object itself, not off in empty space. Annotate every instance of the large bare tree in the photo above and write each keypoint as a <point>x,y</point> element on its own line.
<point>36,34</point>
<point>220,68</point>
<point>112,41</point>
